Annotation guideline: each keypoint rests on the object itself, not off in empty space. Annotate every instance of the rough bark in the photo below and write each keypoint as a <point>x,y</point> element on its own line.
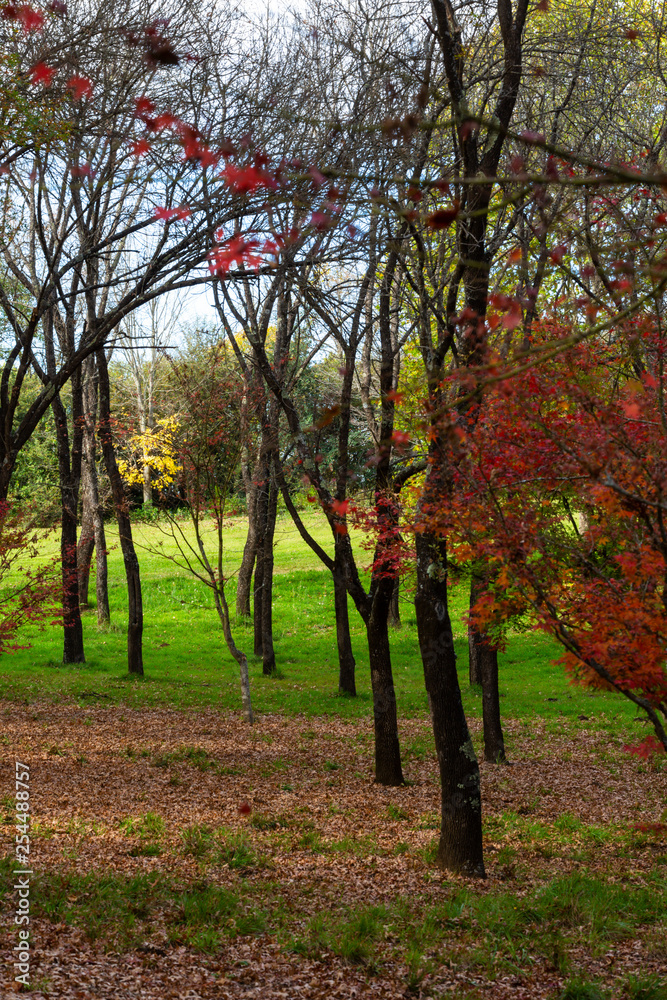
<point>240,657</point>
<point>388,769</point>
<point>494,742</point>
<point>101,572</point>
<point>257,593</point>
<point>268,651</point>
<point>460,847</point>
<point>92,535</point>
<point>69,469</point>
<point>244,578</point>
<point>135,624</point>
<point>394,606</point>
<point>474,657</point>
<point>86,545</point>
<point>346,661</point>
<point>486,662</point>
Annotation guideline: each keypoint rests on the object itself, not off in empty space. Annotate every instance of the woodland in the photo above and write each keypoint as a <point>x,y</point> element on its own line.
<point>333,499</point>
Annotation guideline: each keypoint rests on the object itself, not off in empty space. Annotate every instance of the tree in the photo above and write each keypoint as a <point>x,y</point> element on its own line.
<point>99,229</point>
<point>32,599</point>
<point>210,439</point>
<point>572,513</point>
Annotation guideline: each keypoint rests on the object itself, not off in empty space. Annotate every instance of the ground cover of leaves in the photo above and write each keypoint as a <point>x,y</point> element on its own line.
<point>327,887</point>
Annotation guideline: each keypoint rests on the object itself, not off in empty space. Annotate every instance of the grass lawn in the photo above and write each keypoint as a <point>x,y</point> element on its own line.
<point>149,881</point>
<point>187,663</point>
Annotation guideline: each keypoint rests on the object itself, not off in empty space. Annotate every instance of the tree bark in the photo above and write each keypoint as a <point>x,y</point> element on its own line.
<point>460,847</point>
<point>86,545</point>
<point>486,662</point>
<point>135,624</point>
<point>69,468</point>
<point>240,657</point>
<point>346,661</point>
<point>394,606</point>
<point>388,769</point>
<point>92,534</point>
<point>268,651</point>
<point>257,592</point>
<point>494,742</point>
<point>102,571</point>
<point>244,578</point>
<point>474,658</point>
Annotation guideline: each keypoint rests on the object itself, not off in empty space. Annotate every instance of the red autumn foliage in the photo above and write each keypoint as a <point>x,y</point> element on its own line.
<point>79,86</point>
<point>442,218</point>
<point>235,250</point>
<point>561,487</point>
<point>41,74</point>
<point>29,18</point>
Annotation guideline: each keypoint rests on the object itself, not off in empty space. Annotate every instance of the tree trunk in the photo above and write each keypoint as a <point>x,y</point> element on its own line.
<point>494,742</point>
<point>394,606</point>
<point>460,848</point>
<point>268,652</point>
<point>102,572</point>
<point>262,485</point>
<point>135,624</point>
<point>244,578</point>
<point>475,639</point>
<point>388,769</point>
<point>474,657</point>
<point>69,469</point>
<point>146,484</point>
<point>240,657</point>
<point>89,488</point>
<point>346,661</point>
<point>86,545</point>
<point>257,591</point>
<point>486,663</point>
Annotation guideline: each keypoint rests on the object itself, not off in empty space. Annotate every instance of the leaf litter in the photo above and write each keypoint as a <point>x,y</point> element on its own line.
<point>157,792</point>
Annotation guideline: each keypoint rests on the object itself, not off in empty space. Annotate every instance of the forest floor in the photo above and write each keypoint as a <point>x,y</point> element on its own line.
<point>150,881</point>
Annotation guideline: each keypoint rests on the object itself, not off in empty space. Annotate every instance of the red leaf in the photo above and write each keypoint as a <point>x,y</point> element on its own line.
<point>81,170</point>
<point>245,180</point>
<point>32,20</point>
<point>235,250</point>
<point>321,221</point>
<point>513,318</point>
<point>443,217</point>
<point>80,86</point>
<point>631,410</point>
<point>139,147</point>
<point>143,106</point>
<point>166,214</point>
<point>533,137</point>
<point>245,809</point>
<point>646,748</point>
<point>400,439</point>
<point>42,74</point>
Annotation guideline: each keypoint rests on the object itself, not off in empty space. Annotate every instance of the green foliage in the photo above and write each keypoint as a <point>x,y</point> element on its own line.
<point>197,840</point>
<point>581,989</point>
<point>646,988</point>
<point>149,826</point>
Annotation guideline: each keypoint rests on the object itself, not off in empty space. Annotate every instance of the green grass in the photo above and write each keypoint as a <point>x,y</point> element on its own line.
<point>495,932</point>
<point>187,664</point>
